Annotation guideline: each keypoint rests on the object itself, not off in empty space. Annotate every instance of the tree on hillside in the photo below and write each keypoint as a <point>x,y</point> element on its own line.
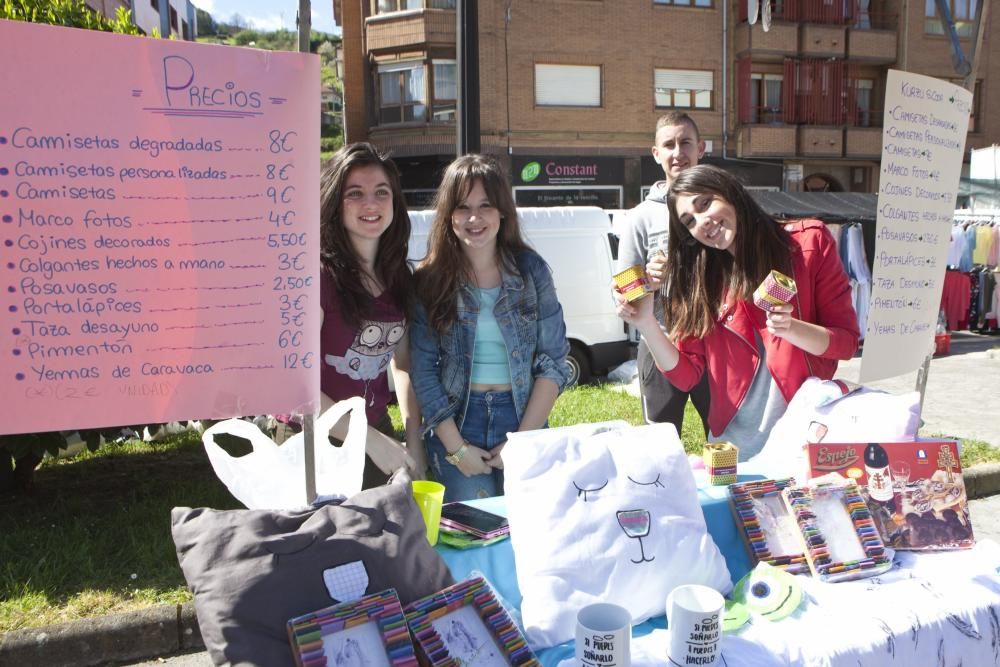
<point>238,22</point>
<point>69,13</point>
<point>206,24</point>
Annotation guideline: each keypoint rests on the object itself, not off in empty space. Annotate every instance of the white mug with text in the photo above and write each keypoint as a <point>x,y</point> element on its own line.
<point>694,618</point>
<point>603,635</point>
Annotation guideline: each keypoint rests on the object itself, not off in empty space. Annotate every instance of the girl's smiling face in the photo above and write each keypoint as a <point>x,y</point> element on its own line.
<point>366,209</point>
<point>476,221</point>
<point>709,218</point>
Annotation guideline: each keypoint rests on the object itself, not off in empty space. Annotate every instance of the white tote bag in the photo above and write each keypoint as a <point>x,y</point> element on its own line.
<point>603,513</point>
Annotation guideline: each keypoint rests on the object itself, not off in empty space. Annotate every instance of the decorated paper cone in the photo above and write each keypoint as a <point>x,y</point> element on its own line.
<point>720,462</point>
<point>776,290</point>
<point>632,283</point>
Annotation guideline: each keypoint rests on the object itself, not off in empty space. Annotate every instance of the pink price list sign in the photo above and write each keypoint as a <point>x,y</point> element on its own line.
<point>159,230</point>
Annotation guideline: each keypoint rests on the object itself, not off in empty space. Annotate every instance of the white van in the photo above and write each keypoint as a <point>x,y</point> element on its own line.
<point>577,243</point>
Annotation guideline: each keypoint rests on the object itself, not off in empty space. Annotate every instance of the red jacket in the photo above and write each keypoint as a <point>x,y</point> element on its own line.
<point>729,351</point>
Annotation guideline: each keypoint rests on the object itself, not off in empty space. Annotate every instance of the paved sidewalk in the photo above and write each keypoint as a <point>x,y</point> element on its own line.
<point>962,398</point>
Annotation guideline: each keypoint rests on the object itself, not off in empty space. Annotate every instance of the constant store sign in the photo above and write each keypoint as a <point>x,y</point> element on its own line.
<point>539,170</point>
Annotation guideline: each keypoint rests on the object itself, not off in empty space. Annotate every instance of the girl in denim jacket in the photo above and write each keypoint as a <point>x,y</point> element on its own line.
<point>488,343</point>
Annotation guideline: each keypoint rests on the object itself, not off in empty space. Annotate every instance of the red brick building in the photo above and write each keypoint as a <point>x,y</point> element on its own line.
<point>571,89</point>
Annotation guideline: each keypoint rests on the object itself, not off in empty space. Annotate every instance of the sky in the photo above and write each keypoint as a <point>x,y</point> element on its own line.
<point>271,14</point>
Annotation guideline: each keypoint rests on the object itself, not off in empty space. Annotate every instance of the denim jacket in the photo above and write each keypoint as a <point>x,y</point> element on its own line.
<point>531,322</point>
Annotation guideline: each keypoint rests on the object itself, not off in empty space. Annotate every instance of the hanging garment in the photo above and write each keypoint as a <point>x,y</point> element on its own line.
<point>984,242</point>
<point>993,257</point>
<point>995,308</point>
<point>956,248</point>
<point>967,252</point>
<point>852,254</point>
<point>955,299</point>
<point>974,304</point>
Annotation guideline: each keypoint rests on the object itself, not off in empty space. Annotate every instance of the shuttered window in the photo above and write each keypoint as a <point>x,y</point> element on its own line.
<point>402,95</point>
<point>568,85</point>
<point>683,88</point>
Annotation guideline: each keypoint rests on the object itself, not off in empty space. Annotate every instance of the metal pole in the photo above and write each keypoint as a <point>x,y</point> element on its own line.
<point>958,59</point>
<point>982,14</point>
<point>305,25</point>
<point>308,420</point>
<point>467,130</point>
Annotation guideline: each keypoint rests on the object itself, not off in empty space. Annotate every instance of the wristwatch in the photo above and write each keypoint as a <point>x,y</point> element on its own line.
<point>457,455</point>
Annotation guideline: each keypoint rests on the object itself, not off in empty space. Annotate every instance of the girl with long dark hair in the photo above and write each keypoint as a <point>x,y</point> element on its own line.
<point>722,246</point>
<point>366,295</point>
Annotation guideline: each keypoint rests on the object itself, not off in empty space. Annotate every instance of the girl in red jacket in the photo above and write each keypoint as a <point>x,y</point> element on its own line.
<point>722,246</point>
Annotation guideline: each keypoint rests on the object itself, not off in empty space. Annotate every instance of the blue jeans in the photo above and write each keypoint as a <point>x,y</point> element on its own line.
<point>488,419</point>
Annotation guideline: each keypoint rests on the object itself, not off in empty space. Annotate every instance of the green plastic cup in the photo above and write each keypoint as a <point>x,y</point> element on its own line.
<point>429,497</point>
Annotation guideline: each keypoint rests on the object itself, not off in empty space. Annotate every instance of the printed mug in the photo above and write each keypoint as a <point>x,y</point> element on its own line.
<point>603,636</point>
<point>694,618</point>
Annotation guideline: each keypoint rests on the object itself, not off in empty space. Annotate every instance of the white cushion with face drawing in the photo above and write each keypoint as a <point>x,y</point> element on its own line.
<point>603,513</point>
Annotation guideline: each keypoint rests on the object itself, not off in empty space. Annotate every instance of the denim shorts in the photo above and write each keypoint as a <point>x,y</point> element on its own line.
<point>489,417</point>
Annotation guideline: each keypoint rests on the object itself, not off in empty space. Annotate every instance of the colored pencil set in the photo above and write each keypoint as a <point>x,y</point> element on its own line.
<point>384,609</point>
<point>818,554</point>
<point>474,592</point>
<point>745,498</point>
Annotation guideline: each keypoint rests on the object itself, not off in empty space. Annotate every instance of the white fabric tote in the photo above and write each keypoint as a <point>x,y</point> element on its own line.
<point>603,513</point>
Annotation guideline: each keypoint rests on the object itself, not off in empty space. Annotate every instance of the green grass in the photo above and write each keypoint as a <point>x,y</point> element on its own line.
<point>95,537</point>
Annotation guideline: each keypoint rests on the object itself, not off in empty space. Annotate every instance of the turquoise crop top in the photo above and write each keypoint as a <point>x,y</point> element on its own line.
<point>489,357</point>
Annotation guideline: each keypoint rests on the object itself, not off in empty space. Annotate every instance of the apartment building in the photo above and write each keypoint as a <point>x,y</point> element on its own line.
<point>570,90</point>
<point>169,17</point>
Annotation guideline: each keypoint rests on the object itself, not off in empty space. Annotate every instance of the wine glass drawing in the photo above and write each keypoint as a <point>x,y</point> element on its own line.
<point>635,523</point>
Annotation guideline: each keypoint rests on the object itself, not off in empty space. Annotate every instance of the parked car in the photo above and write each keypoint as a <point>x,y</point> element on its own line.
<point>578,244</point>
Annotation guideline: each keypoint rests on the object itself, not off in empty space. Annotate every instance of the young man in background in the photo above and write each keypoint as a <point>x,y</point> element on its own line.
<point>677,146</point>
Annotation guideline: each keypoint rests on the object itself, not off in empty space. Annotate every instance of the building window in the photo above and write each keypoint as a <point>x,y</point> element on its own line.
<point>765,98</point>
<point>682,88</point>
<point>389,6</point>
<point>568,85</point>
<point>155,4</point>
<point>445,91</point>
<point>173,19</point>
<point>185,31</point>
<point>402,94</point>
<point>684,3</point>
<point>962,11</point>
<point>863,89</point>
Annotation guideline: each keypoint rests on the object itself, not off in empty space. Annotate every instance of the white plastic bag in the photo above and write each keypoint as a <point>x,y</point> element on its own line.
<point>272,477</point>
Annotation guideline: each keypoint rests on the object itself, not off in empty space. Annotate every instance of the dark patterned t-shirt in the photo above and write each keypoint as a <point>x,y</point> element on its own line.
<point>356,361</point>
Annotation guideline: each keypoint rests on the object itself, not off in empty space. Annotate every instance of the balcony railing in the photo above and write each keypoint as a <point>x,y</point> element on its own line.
<point>769,115</point>
<point>858,14</point>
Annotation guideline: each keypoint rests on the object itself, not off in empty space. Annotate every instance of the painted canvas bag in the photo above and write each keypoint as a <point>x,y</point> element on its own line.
<point>603,513</point>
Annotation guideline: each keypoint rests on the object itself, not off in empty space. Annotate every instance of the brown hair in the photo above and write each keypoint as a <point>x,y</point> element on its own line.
<point>702,278</point>
<point>446,267</point>
<point>672,118</point>
<point>337,254</point>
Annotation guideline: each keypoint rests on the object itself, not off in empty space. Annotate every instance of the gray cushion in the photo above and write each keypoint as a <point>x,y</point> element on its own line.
<point>252,570</point>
